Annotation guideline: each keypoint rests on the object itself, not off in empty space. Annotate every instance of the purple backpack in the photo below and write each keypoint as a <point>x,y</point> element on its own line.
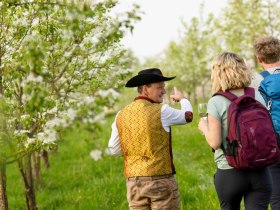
<point>251,139</point>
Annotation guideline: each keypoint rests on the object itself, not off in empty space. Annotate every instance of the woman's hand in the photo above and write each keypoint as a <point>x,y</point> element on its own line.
<point>212,130</point>
<point>203,125</point>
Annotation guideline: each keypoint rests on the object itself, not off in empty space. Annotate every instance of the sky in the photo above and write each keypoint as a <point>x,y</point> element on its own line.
<point>162,22</point>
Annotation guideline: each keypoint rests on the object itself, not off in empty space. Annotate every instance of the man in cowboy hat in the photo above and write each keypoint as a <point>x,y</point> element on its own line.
<point>141,133</point>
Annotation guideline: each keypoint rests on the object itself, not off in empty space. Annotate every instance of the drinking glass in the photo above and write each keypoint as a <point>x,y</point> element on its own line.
<point>202,110</point>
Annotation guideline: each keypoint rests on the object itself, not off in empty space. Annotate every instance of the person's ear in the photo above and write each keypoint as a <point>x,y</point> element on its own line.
<point>260,60</point>
<point>145,90</point>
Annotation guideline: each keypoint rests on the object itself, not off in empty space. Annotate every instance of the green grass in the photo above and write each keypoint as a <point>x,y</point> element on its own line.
<point>76,182</point>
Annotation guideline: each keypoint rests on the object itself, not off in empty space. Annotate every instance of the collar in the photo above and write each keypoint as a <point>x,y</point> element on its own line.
<point>273,70</point>
<point>144,98</point>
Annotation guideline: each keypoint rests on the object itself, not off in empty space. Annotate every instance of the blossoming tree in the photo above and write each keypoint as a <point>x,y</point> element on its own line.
<point>59,60</point>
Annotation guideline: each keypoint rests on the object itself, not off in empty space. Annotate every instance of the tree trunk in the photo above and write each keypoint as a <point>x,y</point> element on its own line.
<point>3,193</point>
<point>27,176</point>
<point>194,93</point>
<point>36,163</point>
<point>45,156</point>
<point>36,157</point>
<point>203,92</point>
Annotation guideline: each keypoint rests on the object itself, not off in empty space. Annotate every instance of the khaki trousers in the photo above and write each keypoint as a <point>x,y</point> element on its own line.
<point>156,192</point>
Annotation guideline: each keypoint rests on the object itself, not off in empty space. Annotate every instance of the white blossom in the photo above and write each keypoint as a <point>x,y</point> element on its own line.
<point>52,111</point>
<point>77,73</point>
<point>35,21</point>
<point>32,78</point>
<point>21,131</point>
<point>48,136</point>
<point>89,99</point>
<point>29,141</point>
<point>106,93</point>
<point>24,116</point>
<point>53,122</point>
<point>26,97</point>
<point>96,154</point>
<point>98,117</point>
<point>71,114</point>
<point>57,122</point>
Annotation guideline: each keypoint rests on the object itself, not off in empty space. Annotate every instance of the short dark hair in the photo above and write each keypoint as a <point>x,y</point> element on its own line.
<point>140,88</point>
<point>267,48</point>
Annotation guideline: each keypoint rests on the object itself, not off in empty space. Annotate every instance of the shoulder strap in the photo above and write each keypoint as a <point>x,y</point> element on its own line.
<point>249,91</point>
<point>264,73</point>
<point>230,96</point>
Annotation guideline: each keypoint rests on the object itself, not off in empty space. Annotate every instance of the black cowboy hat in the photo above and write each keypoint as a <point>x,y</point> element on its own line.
<point>147,76</point>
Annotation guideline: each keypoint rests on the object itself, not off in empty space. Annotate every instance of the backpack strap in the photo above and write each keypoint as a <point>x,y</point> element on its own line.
<point>249,91</point>
<point>264,73</point>
<point>230,96</point>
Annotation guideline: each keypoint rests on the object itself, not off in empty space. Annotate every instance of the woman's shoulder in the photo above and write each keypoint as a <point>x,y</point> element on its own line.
<point>217,99</point>
<point>218,103</point>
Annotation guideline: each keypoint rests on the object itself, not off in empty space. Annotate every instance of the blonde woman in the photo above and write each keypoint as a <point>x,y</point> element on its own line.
<point>230,72</point>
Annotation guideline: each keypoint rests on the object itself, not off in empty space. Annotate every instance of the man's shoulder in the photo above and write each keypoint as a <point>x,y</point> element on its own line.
<point>256,80</point>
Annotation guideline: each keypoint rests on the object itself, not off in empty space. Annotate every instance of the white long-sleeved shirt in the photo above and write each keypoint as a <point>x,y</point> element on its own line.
<point>169,117</point>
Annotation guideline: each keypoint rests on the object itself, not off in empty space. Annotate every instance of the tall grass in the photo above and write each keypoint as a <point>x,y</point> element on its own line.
<point>75,181</point>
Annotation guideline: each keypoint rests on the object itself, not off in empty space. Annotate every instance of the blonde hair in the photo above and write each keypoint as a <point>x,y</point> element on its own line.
<point>267,48</point>
<point>229,71</point>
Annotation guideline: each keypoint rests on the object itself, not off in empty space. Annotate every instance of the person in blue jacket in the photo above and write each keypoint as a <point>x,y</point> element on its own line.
<point>267,51</point>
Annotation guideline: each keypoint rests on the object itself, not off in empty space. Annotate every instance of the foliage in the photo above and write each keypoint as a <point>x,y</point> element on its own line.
<point>234,29</point>
<point>55,60</point>
<point>75,181</point>
<point>60,61</point>
<point>6,143</point>
<point>188,57</point>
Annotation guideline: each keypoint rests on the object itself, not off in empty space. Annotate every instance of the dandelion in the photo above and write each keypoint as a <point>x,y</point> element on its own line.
<point>96,154</point>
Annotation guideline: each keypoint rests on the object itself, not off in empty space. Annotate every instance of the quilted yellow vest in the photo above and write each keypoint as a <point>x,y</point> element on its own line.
<point>145,144</point>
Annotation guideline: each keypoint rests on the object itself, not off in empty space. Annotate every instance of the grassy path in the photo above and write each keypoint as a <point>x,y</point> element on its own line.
<point>76,182</point>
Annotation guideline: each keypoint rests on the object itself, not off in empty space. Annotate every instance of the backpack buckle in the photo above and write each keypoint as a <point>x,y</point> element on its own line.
<point>269,104</point>
<point>231,148</point>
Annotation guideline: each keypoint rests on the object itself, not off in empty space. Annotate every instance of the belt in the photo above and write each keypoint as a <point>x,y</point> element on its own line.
<point>149,178</point>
